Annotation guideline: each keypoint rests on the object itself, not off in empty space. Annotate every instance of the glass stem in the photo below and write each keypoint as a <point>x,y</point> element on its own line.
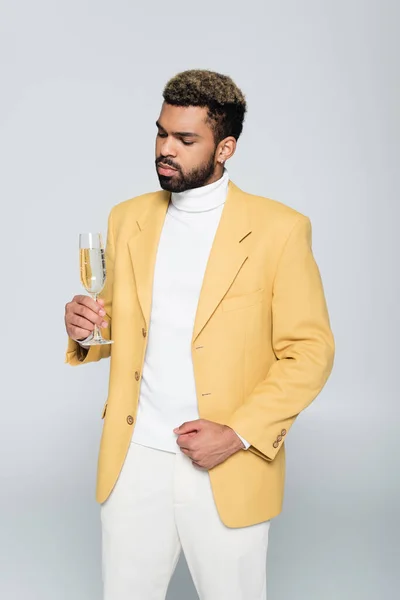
<point>96,331</point>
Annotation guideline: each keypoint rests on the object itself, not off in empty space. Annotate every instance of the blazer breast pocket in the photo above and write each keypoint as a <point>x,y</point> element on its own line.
<point>242,301</point>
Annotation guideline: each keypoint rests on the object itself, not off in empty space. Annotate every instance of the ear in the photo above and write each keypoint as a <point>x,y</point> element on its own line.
<point>225,149</point>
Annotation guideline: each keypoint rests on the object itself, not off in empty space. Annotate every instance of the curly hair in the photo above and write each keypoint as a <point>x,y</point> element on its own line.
<point>225,102</point>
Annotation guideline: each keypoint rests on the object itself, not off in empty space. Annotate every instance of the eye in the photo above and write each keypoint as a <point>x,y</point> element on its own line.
<point>162,135</point>
<point>187,143</point>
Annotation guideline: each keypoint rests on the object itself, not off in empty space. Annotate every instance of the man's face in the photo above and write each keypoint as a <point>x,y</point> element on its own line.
<point>185,148</point>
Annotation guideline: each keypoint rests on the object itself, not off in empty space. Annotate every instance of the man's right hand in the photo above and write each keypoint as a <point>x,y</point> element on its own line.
<point>82,314</point>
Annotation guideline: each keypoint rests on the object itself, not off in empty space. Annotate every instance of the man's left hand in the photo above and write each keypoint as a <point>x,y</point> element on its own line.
<point>207,443</point>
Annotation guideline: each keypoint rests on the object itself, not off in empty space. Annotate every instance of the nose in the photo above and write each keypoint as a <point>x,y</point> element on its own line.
<point>167,147</point>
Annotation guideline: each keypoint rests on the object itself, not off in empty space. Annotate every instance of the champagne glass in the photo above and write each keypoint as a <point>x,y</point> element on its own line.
<point>93,273</point>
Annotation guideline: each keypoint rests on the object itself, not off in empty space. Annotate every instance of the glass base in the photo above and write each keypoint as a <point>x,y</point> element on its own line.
<point>99,342</point>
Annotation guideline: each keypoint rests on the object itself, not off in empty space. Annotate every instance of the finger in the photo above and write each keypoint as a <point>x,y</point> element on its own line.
<point>192,455</point>
<point>76,333</point>
<point>90,315</point>
<point>89,302</point>
<point>85,311</point>
<point>186,444</point>
<point>80,322</point>
<point>188,427</point>
<point>185,438</point>
<point>199,465</point>
<point>189,453</point>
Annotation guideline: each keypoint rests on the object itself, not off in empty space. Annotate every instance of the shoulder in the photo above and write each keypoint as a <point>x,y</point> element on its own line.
<point>267,214</point>
<point>135,206</point>
<point>137,203</point>
<point>269,207</point>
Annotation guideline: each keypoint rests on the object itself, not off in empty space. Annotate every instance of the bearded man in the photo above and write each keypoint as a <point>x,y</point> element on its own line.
<point>222,337</point>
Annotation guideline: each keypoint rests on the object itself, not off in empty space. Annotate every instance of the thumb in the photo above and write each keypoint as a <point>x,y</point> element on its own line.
<point>188,427</point>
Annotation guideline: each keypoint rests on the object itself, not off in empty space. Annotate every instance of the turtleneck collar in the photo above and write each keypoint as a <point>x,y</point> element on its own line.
<point>202,198</point>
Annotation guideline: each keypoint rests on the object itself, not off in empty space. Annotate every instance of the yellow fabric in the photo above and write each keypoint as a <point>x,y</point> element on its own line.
<point>262,345</point>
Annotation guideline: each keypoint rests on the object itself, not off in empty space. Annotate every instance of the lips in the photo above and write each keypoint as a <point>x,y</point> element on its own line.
<point>166,170</point>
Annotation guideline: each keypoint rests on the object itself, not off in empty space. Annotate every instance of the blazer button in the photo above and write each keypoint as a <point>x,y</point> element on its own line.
<point>144,332</point>
<point>137,375</point>
<point>279,438</point>
<point>283,432</point>
<point>129,420</point>
<point>275,444</point>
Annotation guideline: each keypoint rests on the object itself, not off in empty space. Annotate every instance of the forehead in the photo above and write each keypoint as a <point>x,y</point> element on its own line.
<point>184,118</point>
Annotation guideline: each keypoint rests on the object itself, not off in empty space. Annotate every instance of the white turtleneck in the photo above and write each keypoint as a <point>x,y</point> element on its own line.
<point>167,392</point>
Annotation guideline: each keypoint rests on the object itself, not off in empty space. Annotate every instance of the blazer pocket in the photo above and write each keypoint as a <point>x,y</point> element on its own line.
<point>242,301</point>
<point>103,414</point>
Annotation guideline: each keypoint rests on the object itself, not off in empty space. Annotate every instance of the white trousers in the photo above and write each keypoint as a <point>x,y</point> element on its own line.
<point>160,505</point>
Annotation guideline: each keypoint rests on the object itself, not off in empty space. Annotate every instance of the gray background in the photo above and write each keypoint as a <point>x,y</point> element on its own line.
<point>81,86</point>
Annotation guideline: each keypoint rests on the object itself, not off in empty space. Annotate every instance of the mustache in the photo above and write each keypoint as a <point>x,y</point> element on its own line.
<point>167,161</point>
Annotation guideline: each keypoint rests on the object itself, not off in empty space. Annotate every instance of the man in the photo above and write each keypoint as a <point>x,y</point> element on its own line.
<point>221,338</point>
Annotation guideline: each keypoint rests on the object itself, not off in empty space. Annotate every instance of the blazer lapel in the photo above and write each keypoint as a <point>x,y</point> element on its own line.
<point>228,254</point>
<point>143,247</point>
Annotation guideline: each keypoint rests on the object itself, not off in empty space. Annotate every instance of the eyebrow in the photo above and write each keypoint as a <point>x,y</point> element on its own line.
<point>179,133</point>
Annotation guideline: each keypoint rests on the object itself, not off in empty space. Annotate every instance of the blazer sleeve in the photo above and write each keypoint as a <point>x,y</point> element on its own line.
<point>76,354</point>
<point>303,344</point>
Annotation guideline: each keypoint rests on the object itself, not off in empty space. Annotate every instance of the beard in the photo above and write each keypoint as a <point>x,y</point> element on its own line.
<point>180,182</point>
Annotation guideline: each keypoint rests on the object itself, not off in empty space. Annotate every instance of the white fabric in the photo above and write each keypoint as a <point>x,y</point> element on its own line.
<point>167,391</point>
<point>161,504</point>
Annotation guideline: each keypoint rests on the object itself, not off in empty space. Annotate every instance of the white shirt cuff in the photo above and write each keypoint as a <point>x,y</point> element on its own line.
<point>246,443</point>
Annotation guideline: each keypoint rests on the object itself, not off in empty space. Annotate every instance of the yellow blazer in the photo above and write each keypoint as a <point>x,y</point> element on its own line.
<point>262,345</point>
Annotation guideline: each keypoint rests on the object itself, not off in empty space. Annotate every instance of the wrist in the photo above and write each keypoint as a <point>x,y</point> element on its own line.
<point>237,443</point>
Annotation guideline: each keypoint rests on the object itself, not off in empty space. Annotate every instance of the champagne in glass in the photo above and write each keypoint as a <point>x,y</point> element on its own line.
<point>93,273</point>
